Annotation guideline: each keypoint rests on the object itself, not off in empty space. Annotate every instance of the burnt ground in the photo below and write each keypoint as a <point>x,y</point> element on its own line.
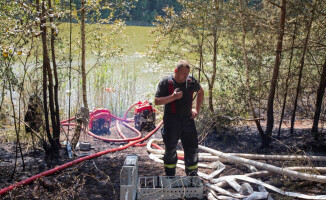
<point>99,178</point>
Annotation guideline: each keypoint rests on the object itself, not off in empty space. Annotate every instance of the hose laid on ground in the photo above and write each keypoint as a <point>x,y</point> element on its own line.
<point>135,130</point>
<point>121,119</point>
<point>79,160</point>
<point>120,132</point>
<point>278,170</point>
<point>107,139</point>
<point>113,116</point>
<point>224,180</point>
<point>273,188</point>
<point>68,120</point>
<point>279,157</point>
<point>311,169</point>
<point>126,113</point>
<point>64,123</point>
<point>74,162</point>
<point>180,154</point>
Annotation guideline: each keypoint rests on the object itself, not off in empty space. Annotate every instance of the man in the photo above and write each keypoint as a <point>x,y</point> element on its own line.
<point>175,92</point>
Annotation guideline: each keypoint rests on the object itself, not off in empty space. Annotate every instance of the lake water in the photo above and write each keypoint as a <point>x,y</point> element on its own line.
<point>131,78</point>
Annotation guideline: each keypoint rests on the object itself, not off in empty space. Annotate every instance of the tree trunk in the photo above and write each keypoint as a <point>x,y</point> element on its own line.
<point>78,128</point>
<point>319,101</point>
<point>46,62</point>
<point>245,58</point>
<point>50,86</point>
<point>18,145</point>
<point>211,84</point>
<point>83,54</point>
<point>56,131</point>
<point>301,67</point>
<point>201,59</point>
<point>287,80</point>
<point>270,104</point>
<point>46,68</point>
<point>2,94</point>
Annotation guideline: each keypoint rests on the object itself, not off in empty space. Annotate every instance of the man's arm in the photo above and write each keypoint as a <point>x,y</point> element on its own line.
<point>199,101</point>
<point>164,100</point>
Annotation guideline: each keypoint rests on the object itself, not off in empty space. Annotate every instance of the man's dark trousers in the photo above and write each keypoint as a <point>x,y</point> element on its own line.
<point>180,127</point>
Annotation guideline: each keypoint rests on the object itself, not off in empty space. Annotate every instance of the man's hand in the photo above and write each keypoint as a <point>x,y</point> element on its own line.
<point>177,93</point>
<point>194,113</point>
<point>199,101</point>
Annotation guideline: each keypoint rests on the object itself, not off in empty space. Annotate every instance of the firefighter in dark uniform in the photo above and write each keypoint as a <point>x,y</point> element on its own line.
<point>176,92</point>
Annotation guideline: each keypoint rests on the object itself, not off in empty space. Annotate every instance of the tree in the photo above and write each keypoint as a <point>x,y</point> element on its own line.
<point>266,138</point>
<point>83,54</point>
<point>48,84</point>
<point>246,62</point>
<point>319,100</point>
<point>287,78</point>
<point>195,29</point>
<point>13,39</point>
<point>302,60</point>
<point>56,113</point>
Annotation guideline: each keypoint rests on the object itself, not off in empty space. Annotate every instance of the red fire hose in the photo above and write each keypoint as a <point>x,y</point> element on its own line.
<point>79,160</point>
<point>108,139</point>
<point>115,117</point>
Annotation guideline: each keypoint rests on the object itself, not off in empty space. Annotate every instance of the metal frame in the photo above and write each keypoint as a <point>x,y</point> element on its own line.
<point>170,187</point>
<point>133,187</point>
<point>128,178</point>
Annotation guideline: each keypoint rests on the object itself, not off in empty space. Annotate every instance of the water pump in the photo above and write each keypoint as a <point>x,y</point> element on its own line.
<point>100,121</point>
<point>144,116</point>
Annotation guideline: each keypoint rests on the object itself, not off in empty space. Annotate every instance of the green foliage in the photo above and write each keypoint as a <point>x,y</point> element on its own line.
<point>189,33</point>
<point>131,10</point>
<point>184,29</point>
<point>13,38</point>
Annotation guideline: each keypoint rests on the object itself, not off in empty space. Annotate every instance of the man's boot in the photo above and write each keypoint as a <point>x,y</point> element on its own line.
<point>169,171</point>
<point>192,172</point>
